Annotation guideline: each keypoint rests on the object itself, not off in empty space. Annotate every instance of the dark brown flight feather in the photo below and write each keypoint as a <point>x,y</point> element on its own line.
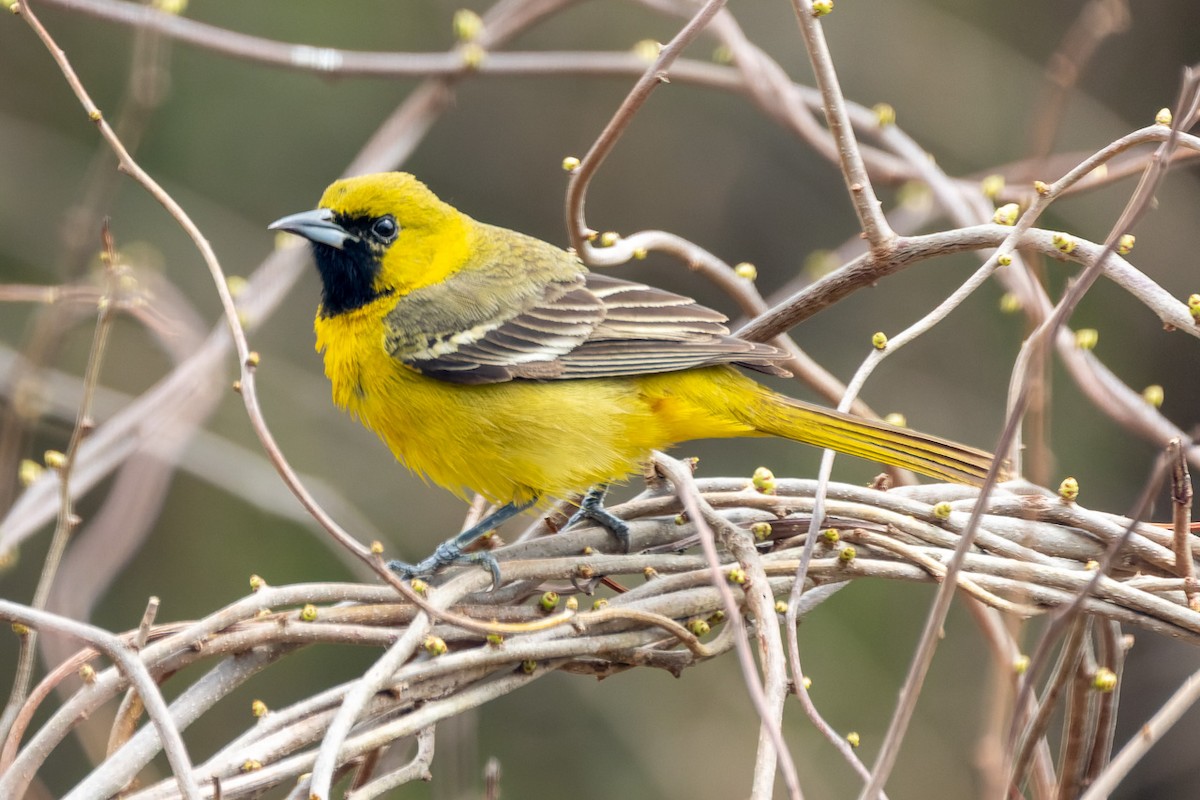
<point>594,326</point>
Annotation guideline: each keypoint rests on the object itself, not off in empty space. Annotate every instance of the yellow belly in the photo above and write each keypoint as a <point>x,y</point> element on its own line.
<point>518,440</point>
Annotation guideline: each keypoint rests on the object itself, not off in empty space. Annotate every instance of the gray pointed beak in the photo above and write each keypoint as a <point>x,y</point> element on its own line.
<point>316,226</point>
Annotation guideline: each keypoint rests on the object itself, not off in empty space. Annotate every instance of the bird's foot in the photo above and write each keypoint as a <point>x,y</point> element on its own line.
<point>447,554</point>
<point>592,508</point>
<point>452,553</point>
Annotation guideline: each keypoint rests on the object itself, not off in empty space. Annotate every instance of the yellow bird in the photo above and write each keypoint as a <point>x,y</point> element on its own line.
<point>492,361</point>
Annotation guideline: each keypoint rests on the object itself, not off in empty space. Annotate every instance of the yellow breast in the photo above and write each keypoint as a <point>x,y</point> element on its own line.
<point>512,441</point>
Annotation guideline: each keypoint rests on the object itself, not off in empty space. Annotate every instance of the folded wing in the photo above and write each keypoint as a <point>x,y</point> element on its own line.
<point>589,326</point>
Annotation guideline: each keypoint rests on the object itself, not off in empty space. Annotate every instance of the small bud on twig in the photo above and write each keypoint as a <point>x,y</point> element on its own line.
<point>1104,680</point>
<point>1006,214</point>
<point>1193,303</point>
<point>761,531</point>
<point>1064,242</point>
<point>763,480</point>
<point>472,55</point>
<point>54,459</point>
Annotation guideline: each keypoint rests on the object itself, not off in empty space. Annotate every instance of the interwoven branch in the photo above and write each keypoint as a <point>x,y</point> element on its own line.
<point>1034,553</point>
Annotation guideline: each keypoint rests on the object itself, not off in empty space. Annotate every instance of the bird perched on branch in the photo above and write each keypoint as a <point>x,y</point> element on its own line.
<point>492,361</point>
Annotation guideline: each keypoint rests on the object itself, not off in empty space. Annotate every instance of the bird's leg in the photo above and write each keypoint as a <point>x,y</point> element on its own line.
<point>592,507</point>
<point>450,552</point>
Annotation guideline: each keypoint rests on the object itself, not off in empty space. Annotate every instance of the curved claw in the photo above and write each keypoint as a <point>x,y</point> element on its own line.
<point>489,561</point>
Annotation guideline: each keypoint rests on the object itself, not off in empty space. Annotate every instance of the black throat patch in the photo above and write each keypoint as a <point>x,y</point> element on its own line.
<point>347,277</point>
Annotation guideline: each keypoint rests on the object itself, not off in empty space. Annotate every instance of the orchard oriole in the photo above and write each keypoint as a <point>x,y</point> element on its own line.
<point>492,361</point>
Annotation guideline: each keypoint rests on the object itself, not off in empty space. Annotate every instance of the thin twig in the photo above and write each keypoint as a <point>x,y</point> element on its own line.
<point>1110,647</point>
<point>1147,736</point>
<point>1039,342</point>
<point>1079,724</point>
<point>247,360</point>
<point>761,603</point>
<point>67,521</point>
<point>416,769</point>
<point>133,670</point>
<point>1069,657</point>
<point>875,227</point>
<point>1112,657</point>
<point>1071,615</point>
<point>703,517</point>
<point>652,78</point>
<point>377,677</point>
<point>1181,518</point>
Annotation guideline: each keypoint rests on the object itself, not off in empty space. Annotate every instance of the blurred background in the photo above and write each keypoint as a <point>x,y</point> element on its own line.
<point>240,144</point>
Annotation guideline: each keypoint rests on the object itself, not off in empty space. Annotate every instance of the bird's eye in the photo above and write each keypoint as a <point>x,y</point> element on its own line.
<point>385,228</point>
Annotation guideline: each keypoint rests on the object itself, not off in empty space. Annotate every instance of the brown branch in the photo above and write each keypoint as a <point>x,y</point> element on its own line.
<point>1181,516</point>
<point>875,227</point>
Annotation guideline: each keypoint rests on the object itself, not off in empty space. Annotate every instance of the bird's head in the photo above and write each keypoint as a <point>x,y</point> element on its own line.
<point>377,236</point>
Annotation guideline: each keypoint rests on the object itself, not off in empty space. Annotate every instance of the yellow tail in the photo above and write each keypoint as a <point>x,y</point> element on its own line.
<point>778,415</point>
